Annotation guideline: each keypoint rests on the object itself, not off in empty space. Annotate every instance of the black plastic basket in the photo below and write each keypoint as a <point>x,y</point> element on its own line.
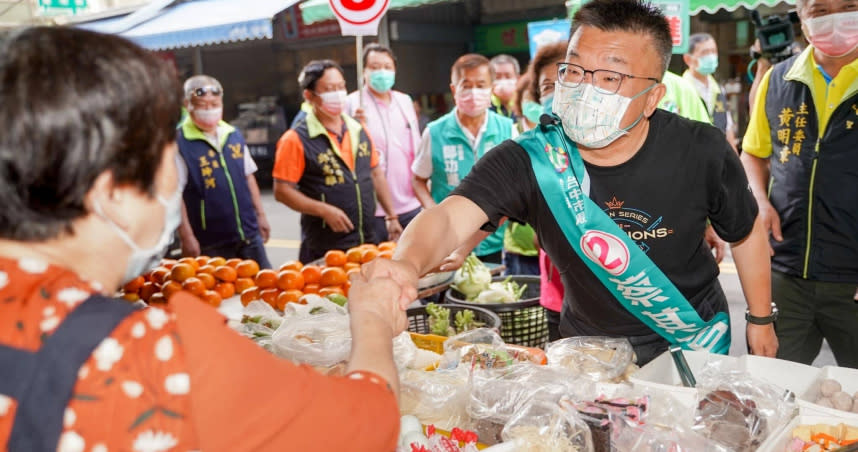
<point>418,319</point>
<point>522,323</point>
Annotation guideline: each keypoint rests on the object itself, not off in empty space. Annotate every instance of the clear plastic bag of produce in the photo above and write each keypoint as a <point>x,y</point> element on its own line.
<point>481,348</point>
<point>496,395</point>
<point>321,340</point>
<point>404,351</point>
<point>738,411</point>
<point>439,397</point>
<point>597,358</point>
<point>541,426</point>
<point>313,305</point>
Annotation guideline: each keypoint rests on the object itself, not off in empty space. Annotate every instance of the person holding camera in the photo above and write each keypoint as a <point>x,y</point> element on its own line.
<point>802,163</point>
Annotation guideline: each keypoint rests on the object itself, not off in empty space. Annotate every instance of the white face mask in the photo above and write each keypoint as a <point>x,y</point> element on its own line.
<point>504,88</point>
<point>590,118</point>
<point>208,118</point>
<point>334,102</point>
<point>143,260</point>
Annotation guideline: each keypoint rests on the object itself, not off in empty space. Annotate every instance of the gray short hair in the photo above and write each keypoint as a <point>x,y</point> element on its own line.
<point>200,81</point>
<point>503,59</point>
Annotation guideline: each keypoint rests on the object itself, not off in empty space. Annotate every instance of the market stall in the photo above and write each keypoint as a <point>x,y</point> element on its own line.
<point>465,387</point>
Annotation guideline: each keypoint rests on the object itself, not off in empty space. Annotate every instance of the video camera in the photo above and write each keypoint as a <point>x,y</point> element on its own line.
<point>776,36</point>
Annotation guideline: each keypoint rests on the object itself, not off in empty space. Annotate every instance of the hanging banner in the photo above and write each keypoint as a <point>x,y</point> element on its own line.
<point>359,17</point>
<point>676,12</point>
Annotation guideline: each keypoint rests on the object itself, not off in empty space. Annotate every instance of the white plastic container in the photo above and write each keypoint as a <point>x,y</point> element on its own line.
<point>848,379</point>
<point>779,441</point>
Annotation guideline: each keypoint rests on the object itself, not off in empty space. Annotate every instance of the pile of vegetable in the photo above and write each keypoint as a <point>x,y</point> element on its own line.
<point>474,281</point>
<point>439,321</point>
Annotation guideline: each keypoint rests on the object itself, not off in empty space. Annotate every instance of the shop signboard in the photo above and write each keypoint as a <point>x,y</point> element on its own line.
<point>510,37</point>
<point>677,15</point>
<point>359,17</point>
<point>547,32</point>
<point>65,6</point>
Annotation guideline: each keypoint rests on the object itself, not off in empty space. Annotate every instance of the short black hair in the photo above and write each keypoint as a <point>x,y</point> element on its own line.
<point>469,61</point>
<point>75,104</point>
<point>696,39</point>
<point>314,70</point>
<point>376,47</point>
<point>635,16</point>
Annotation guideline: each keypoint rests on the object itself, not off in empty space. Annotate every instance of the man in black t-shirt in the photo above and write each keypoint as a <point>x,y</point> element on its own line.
<point>658,176</point>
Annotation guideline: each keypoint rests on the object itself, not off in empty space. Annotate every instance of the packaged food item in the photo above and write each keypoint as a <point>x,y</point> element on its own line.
<point>598,358</point>
<point>482,348</point>
<point>822,437</point>
<point>542,426</point>
<point>598,413</point>
<point>738,411</point>
<point>438,397</point>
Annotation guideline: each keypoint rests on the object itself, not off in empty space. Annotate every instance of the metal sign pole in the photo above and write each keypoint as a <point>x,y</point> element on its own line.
<point>359,60</point>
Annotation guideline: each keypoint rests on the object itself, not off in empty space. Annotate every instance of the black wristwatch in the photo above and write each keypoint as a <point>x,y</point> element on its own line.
<point>762,320</point>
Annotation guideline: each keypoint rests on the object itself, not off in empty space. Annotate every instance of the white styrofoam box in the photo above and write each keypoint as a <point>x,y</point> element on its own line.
<point>848,379</point>
<point>778,441</point>
<point>660,376</point>
<point>782,373</point>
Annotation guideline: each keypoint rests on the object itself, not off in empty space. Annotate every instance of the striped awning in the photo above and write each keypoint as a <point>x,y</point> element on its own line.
<point>712,6</point>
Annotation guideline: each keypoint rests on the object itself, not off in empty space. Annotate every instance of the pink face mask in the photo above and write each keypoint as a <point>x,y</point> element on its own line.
<point>834,35</point>
<point>473,101</point>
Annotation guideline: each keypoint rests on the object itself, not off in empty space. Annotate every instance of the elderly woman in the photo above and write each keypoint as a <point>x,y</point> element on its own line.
<point>90,199</point>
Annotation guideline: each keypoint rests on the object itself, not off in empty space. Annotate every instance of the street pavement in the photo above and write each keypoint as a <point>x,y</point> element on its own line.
<point>285,239</point>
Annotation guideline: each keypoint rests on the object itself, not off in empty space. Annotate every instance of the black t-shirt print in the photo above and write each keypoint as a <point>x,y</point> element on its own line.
<point>684,173</point>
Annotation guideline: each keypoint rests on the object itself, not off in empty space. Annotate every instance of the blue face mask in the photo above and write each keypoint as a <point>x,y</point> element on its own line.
<point>547,102</point>
<point>382,80</point>
<point>707,64</point>
<point>532,111</point>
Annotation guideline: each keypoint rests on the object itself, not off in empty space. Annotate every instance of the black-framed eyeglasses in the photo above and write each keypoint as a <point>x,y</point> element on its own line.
<point>605,81</point>
<point>200,92</point>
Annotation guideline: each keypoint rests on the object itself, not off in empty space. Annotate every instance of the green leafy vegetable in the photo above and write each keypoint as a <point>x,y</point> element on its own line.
<point>472,278</point>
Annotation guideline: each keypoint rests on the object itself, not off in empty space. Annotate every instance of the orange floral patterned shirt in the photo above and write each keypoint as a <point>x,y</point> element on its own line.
<point>177,379</point>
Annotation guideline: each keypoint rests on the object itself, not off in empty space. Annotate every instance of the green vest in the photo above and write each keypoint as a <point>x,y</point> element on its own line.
<point>453,157</point>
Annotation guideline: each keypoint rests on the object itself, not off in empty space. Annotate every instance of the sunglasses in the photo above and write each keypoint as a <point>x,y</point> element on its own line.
<point>200,92</point>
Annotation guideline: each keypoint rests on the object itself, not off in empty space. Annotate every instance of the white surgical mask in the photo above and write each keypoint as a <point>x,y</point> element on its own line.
<point>591,118</point>
<point>834,34</point>
<point>143,260</point>
<point>334,102</point>
<point>504,87</point>
<point>208,118</point>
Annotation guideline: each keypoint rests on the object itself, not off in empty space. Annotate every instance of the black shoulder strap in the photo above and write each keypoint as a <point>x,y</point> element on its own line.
<point>42,382</point>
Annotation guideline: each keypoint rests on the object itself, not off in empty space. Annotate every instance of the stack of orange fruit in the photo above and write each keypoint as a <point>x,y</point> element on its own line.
<point>212,279</point>
<point>294,279</point>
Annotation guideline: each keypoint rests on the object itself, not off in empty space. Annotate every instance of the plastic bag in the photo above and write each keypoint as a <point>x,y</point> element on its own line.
<point>477,349</point>
<point>628,436</point>
<point>541,426</point>
<point>439,397</point>
<point>404,351</point>
<point>598,358</point>
<point>737,410</point>
<point>322,340</point>
<point>314,305</point>
<point>497,395</point>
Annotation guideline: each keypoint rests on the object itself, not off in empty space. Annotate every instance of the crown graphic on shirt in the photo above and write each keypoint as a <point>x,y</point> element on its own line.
<point>615,204</point>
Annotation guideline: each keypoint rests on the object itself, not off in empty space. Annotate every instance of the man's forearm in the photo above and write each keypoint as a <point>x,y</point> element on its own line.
<point>382,191</point>
<point>754,267</point>
<point>296,200</point>
<point>421,191</point>
<point>757,170</point>
<point>254,195</point>
<point>434,234</point>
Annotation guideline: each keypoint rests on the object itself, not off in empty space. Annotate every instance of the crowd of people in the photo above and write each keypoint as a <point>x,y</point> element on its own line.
<point>597,169</point>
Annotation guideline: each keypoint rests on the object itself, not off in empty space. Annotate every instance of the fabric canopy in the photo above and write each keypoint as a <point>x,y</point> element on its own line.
<point>199,23</point>
<point>712,6</point>
<point>319,10</point>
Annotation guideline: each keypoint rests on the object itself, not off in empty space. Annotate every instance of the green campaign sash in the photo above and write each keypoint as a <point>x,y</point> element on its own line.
<point>628,273</point>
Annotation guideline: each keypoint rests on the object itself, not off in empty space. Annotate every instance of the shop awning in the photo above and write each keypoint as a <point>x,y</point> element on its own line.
<point>201,22</point>
<point>319,10</point>
<point>712,6</point>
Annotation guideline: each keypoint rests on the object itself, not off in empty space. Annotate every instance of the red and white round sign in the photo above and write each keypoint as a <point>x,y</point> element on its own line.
<point>359,12</point>
<point>607,251</point>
